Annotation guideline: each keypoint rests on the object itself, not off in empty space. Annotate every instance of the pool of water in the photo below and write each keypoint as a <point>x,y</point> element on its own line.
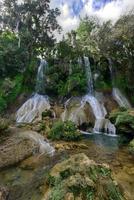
<point>26,183</point>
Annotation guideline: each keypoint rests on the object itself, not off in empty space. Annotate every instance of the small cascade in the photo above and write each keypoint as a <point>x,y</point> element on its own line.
<point>120,98</point>
<point>44,147</point>
<point>89,76</point>
<point>101,124</point>
<point>32,109</point>
<point>40,81</point>
<point>117,94</point>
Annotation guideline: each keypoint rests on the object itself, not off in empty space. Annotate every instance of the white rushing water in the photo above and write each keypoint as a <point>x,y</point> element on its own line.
<point>32,109</point>
<point>101,124</point>
<point>44,147</point>
<point>120,98</point>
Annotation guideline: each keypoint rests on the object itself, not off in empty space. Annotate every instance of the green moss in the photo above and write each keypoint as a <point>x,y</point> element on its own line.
<point>47,113</point>
<point>131,146</point>
<point>9,91</point>
<point>123,120</point>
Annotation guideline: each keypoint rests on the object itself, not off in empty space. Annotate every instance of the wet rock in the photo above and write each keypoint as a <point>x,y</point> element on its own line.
<point>123,120</point>
<point>15,149</point>
<point>4,193</point>
<point>32,109</point>
<point>69,146</point>
<point>77,113</point>
<point>81,178</point>
<point>109,103</point>
<point>131,146</point>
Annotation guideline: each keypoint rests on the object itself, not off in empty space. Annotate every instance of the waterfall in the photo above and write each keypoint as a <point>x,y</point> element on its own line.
<point>117,94</point>
<point>89,76</point>
<point>120,98</point>
<point>101,124</point>
<point>32,109</point>
<point>40,81</point>
<point>44,147</point>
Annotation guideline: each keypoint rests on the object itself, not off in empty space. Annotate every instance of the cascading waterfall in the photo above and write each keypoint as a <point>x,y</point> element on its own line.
<point>40,82</point>
<point>120,98</point>
<point>44,147</point>
<point>32,109</point>
<point>117,94</point>
<point>101,124</point>
<point>89,76</point>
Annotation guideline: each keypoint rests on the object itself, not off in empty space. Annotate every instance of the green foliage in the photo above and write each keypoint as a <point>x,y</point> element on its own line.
<point>47,113</point>
<point>102,85</point>
<point>9,91</point>
<point>12,58</point>
<point>35,22</point>
<point>57,193</point>
<point>63,83</point>
<point>64,131</point>
<point>3,104</point>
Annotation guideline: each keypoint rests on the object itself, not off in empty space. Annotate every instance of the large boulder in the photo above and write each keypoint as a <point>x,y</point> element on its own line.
<point>22,145</point>
<point>77,112</point>
<point>79,178</point>
<point>15,149</point>
<point>123,120</point>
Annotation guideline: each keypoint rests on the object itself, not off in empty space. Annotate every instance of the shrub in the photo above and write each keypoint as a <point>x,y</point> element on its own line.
<point>3,125</point>
<point>65,131</point>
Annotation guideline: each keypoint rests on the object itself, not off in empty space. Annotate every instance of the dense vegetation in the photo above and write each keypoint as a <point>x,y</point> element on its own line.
<point>65,131</point>
<point>26,32</point>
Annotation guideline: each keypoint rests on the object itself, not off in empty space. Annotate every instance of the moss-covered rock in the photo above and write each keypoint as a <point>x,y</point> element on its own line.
<point>81,178</point>
<point>131,146</point>
<point>3,125</point>
<point>123,120</point>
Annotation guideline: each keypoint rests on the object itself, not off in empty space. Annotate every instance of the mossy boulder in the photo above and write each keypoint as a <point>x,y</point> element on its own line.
<point>123,120</point>
<point>81,178</point>
<point>4,124</point>
<point>131,146</point>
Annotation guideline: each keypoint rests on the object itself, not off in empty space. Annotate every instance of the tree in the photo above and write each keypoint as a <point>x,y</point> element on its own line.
<point>85,35</point>
<point>33,21</point>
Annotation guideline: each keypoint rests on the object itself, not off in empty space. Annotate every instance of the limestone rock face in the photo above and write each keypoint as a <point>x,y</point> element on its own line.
<point>78,113</point>
<point>81,178</point>
<point>109,103</point>
<point>16,149</point>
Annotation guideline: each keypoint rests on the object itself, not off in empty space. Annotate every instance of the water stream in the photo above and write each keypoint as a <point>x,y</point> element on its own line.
<point>101,124</point>
<point>119,97</point>
<point>32,109</point>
